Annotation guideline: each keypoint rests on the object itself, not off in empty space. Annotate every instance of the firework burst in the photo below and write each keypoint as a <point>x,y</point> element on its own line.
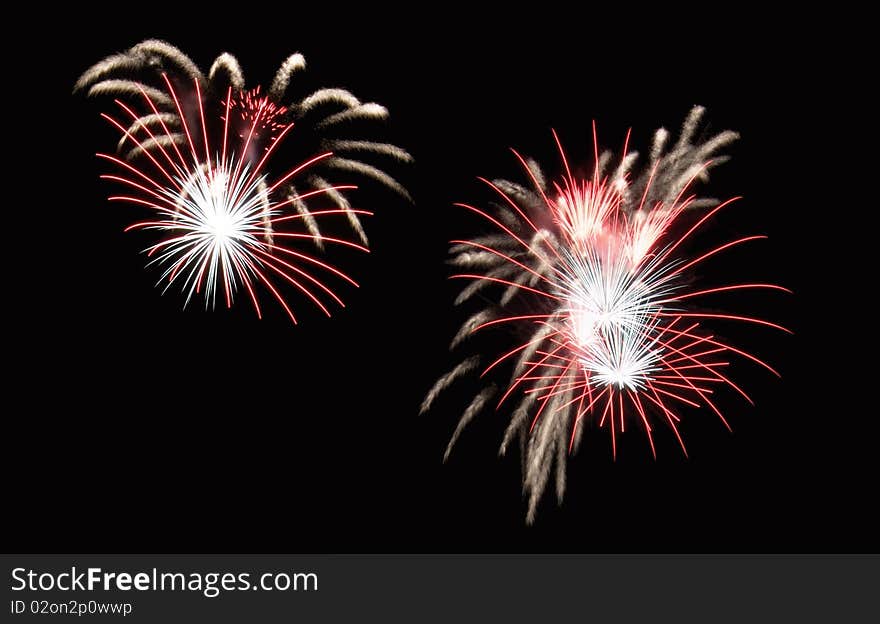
<point>598,293</point>
<point>216,206</point>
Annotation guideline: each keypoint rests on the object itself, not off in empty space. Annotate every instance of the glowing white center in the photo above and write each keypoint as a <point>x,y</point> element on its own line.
<point>219,221</point>
<point>221,225</point>
<point>585,326</point>
<point>629,376</point>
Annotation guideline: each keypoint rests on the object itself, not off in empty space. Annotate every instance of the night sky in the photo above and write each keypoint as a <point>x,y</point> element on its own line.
<point>135,425</point>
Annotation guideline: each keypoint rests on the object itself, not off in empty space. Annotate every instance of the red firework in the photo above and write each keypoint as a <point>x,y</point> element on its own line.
<point>217,206</point>
<point>594,276</point>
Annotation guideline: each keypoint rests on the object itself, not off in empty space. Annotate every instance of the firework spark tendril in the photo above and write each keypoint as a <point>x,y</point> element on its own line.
<point>589,274</point>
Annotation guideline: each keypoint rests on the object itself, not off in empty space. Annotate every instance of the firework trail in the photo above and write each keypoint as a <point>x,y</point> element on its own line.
<point>324,119</point>
<point>218,209</point>
<point>589,274</point>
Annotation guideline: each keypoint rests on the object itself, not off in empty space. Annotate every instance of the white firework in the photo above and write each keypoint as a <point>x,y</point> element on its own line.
<point>220,214</point>
<point>622,356</point>
<point>215,230</point>
<point>595,297</point>
<point>605,289</point>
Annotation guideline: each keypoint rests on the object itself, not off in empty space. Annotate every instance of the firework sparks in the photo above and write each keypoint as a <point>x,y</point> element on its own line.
<point>607,336</point>
<point>324,118</point>
<point>218,208</point>
<point>260,114</point>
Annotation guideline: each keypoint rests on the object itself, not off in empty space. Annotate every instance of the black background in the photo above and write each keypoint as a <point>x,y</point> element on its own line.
<point>135,425</point>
